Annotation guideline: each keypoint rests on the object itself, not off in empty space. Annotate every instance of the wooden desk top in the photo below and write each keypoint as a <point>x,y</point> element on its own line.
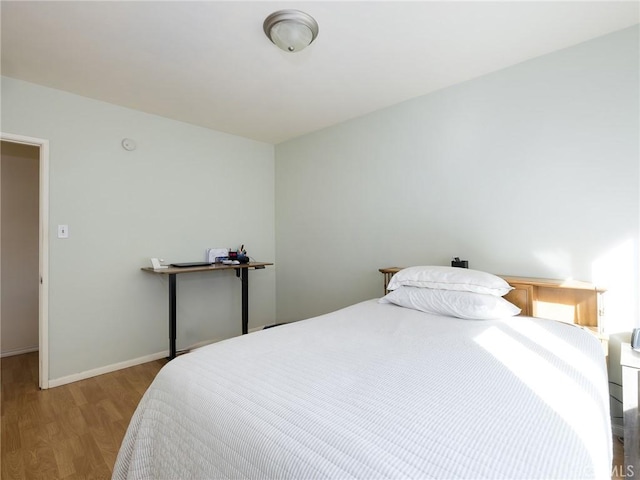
<point>208,268</point>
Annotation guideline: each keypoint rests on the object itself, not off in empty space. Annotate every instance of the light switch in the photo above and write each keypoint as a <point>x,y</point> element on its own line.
<point>63,231</point>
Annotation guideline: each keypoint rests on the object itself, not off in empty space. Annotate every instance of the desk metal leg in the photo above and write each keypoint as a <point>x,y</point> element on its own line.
<point>245,300</point>
<point>172,316</point>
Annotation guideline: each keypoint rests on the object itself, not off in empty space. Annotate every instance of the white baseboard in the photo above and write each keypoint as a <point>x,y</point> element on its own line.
<point>195,346</point>
<point>76,377</point>
<point>56,382</point>
<point>19,351</point>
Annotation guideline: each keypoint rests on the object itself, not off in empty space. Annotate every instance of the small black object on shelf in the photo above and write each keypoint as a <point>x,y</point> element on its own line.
<point>456,262</point>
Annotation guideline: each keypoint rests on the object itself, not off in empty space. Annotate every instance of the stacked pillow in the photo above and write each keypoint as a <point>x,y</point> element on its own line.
<point>452,291</point>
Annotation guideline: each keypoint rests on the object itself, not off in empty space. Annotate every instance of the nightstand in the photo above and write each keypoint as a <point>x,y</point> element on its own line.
<point>630,362</point>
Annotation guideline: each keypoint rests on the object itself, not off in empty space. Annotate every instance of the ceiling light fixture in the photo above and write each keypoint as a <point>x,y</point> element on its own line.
<point>291,30</point>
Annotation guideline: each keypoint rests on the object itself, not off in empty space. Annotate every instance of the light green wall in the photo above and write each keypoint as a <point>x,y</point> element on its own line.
<point>184,189</point>
<point>532,171</point>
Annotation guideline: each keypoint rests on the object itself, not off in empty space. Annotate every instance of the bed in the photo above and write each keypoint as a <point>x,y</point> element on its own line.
<point>378,390</point>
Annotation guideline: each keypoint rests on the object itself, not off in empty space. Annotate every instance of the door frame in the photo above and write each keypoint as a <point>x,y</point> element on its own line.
<point>43,247</point>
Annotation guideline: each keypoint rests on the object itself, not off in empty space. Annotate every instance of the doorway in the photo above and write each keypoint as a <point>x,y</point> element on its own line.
<point>24,205</point>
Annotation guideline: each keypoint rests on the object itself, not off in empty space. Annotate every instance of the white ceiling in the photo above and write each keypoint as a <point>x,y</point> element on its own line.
<point>210,64</point>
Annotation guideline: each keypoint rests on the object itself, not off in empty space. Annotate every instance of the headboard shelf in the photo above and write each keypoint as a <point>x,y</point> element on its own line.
<point>570,301</point>
<point>547,282</point>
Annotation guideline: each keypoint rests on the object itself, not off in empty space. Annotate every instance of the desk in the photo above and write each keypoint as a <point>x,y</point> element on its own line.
<point>630,361</point>
<point>242,271</point>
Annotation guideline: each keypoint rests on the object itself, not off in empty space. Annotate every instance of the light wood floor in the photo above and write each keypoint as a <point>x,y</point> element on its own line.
<point>617,471</point>
<point>71,432</point>
<point>74,431</point>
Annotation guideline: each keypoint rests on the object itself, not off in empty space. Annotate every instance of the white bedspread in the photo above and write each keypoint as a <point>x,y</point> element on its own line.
<point>379,391</point>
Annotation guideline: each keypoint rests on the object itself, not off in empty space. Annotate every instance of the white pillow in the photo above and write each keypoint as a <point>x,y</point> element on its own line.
<point>453,303</point>
<point>450,278</point>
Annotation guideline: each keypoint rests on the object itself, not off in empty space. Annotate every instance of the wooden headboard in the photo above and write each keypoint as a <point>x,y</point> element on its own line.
<point>569,301</point>
<point>565,300</point>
